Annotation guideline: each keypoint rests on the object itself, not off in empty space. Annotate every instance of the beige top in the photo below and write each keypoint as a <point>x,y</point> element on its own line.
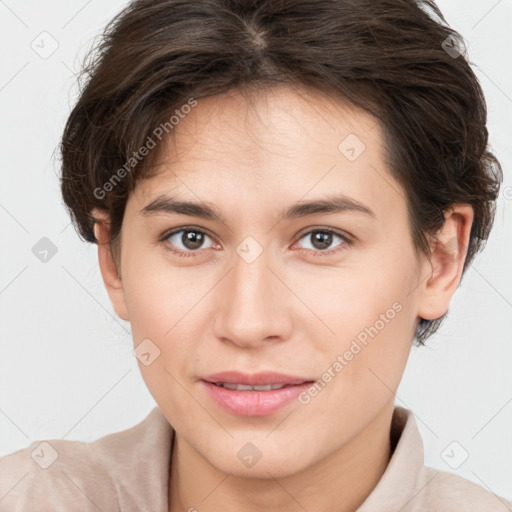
<point>129,471</point>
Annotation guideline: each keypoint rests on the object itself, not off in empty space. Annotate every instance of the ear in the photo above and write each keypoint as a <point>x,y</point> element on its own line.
<point>109,271</point>
<point>448,253</point>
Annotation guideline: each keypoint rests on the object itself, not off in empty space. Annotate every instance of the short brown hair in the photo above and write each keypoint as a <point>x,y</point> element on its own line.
<point>396,59</point>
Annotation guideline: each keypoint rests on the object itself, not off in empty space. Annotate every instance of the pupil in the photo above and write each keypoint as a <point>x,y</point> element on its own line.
<point>192,239</point>
<point>324,239</point>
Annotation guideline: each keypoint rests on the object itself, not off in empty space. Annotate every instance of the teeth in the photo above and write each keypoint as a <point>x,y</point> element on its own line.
<point>246,387</point>
<point>238,387</point>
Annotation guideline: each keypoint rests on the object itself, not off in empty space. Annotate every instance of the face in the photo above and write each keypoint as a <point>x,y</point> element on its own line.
<point>261,283</point>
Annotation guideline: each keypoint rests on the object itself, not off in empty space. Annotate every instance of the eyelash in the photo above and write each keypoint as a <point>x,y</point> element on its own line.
<point>348,242</point>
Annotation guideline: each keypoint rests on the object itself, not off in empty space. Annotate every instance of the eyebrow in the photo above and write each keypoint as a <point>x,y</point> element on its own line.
<point>332,204</point>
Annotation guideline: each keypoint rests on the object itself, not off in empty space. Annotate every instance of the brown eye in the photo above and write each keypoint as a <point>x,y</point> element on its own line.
<point>322,239</point>
<point>186,240</point>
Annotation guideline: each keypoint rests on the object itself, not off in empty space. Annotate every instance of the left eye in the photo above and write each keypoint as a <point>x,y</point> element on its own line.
<point>321,239</point>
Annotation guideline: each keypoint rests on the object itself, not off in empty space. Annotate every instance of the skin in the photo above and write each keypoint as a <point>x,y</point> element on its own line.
<point>292,310</point>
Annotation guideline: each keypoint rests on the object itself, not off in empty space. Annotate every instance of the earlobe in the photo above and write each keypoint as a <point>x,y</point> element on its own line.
<point>108,267</point>
<point>445,265</point>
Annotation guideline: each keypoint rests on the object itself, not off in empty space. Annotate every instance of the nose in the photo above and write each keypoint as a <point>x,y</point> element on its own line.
<point>253,304</point>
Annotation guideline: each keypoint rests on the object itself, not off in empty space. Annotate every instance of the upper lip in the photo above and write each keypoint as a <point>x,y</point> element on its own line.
<point>255,379</point>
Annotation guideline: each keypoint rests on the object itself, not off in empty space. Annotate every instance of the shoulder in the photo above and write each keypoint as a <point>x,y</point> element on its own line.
<point>445,492</point>
<point>73,475</point>
<point>435,489</point>
<point>55,473</point>
<point>410,486</point>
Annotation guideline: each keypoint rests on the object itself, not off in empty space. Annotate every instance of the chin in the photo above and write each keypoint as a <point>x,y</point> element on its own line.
<point>249,461</point>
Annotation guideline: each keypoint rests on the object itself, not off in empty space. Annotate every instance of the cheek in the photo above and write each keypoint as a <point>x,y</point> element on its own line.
<point>148,303</point>
<point>157,294</point>
<point>372,314</point>
<point>159,312</point>
<point>373,296</point>
<point>166,306</point>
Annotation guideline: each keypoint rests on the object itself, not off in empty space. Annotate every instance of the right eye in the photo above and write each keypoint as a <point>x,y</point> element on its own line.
<point>187,240</point>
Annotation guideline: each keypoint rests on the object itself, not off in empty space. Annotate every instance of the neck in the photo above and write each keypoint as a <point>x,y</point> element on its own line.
<point>338,483</point>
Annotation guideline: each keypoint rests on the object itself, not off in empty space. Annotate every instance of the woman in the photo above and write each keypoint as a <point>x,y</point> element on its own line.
<point>285,195</point>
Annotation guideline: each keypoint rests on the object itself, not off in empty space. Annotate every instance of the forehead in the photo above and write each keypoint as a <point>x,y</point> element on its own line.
<point>280,144</point>
<point>283,120</point>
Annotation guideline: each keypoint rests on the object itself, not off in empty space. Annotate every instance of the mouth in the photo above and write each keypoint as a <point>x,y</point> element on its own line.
<point>247,387</point>
<point>254,395</point>
<point>254,380</point>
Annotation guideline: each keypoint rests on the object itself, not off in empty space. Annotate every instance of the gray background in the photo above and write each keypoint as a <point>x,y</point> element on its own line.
<point>67,368</point>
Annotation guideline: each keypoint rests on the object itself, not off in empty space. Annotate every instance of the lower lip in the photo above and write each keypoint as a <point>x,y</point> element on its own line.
<point>254,403</point>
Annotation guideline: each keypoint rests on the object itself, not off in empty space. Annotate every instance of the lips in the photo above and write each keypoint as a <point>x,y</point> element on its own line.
<point>253,402</point>
<point>247,387</point>
<point>256,379</point>
<point>245,394</point>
